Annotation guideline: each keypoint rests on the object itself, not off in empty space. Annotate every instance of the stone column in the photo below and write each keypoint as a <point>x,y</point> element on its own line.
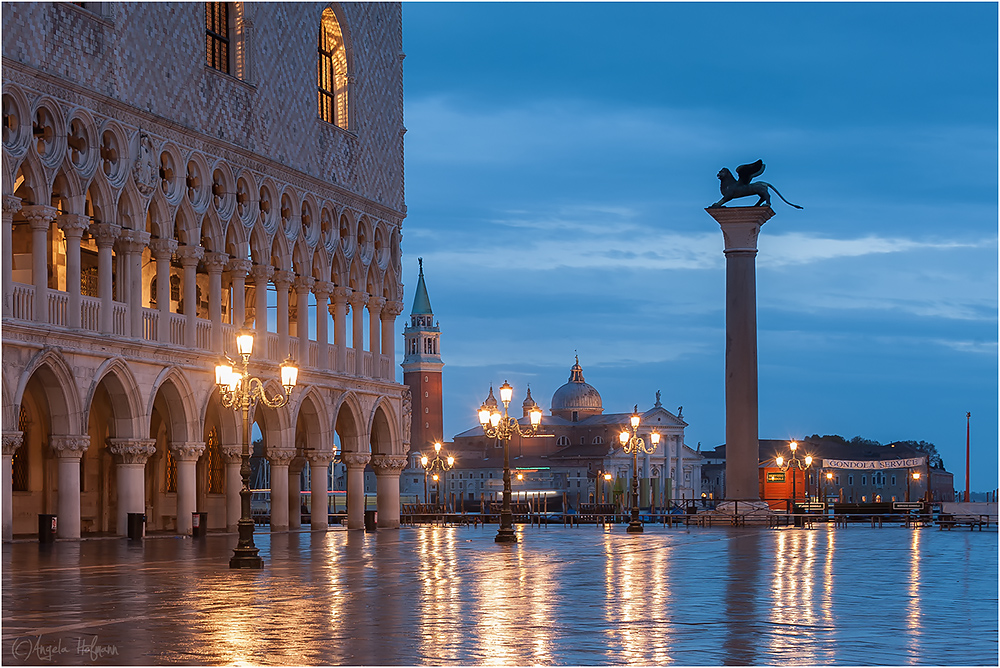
<point>322,290</point>
<point>187,455</point>
<point>387,470</point>
<point>105,235</point>
<point>238,270</point>
<point>389,313</point>
<point>279,459</point>
<point>358,300</point>
<point>282,282</point>
<point>69,449</point>
<point>261,275</point>
<point>233,454</point>
<point>214,264</point>
<point>375,305</point>
<point>339,311</point>
<point>295,493</point>
<point>132,243</point>
<point>40,218</point>
<point>11,205</point>
<point>190,256</point>
<point>303,286</point>
<point>740,227</point>
<point>11,442</point>
<point>73,226</point>
<point>356,462</point>
<point>131,454</point>
<point>163,250</point>
<point>318,490</point>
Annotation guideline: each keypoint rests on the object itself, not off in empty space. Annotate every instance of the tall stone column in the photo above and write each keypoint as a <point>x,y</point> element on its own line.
<point>339,311</point>
<point>740,228</point>
<point>233,454</point>
<point>238,270</point>
<point>163,250</point>
<point>190,256</point>
<point>375,305</point>
<point>356,462</point>
<point>261,275</point>
<point>358,300</point>
<point>40,218</point>
<point>131,454</point>
<point>105,235</point>
<point>11,205</point>
<point>387,470</point>
<point>11,442</point>
<point>69,449</point>
<point>318,490</point>
<point>73,225</point>
<point>295,493</point>
<point>322,290</point>
<point>303,286</point>
<point>214,264</point>
<point>282,282</point>
<point>389,313</point>
<point>132,243</point>
<point>187,455</point>
<point>279,459</point>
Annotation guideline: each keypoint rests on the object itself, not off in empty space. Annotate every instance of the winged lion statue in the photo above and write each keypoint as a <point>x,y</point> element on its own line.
<point>733,188</point>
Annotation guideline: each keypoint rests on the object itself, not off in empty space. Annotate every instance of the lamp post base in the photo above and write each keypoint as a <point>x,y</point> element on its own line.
<point>634,527</point>
<point>246,559</point>
<point>506,535</point>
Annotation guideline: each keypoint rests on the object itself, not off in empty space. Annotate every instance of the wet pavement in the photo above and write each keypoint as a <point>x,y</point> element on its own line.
<point>561,596</point>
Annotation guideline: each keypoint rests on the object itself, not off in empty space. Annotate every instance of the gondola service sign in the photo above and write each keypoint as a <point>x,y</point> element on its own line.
<point>875,464</point>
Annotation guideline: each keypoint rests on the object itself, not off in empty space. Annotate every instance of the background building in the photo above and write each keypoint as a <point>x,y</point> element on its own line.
<point>171,173</point>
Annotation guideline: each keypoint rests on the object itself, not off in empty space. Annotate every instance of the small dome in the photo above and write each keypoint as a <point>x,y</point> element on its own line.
<point>576,396</point>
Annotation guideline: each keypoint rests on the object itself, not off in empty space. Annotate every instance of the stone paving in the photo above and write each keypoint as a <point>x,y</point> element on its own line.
<point>561,596</point>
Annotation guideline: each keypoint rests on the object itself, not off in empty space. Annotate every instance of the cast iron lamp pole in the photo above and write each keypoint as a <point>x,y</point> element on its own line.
<point>433,465</point>
<point>916,478</point>
<point>240,391</point>
<point>503,426</point>
<point>793,462</point>
<point>632,445</point>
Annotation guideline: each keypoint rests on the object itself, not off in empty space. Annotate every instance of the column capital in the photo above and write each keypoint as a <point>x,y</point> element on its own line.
<point>69,446</point>
<point>355,460</point>
<point>133,241</point>
<point>740,225</point>
<point>132,450</point>
<point>282,279</point>
<point>73,224</point>
<point>189,255</point>
<point>215,262</point>
<point>358,299</point>
<point>375,304</point>
<point>105,234</point>
<point>40,216</point>
<point>11,204</point>
<point>323,290</point>
<point>392,309</point>
<point>162,249</point>
<point>232,452</point>
<point>388,464</point>
<point>261,273</point>
<point>238,265</point>
<point>304,284</point>
<point>319,458</point>
<point>280,456</point>
<point>12,441</point>
<point>187,451</point>
<point>340,294</point>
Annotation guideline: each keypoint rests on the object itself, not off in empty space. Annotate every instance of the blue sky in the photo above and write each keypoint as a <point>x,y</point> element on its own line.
<point>559,158</point>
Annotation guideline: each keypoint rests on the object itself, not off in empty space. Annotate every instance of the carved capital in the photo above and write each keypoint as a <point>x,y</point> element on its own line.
<point>69,446</point>
<point>133,241</point>
<point>73,224</point>
<point>340,294</point>
<point>239,266</point>
<point>392,309</point>
<point>355,460</point>
<point>232,453</point>
<point>740,225</point>
<point>323,290</point>
<point>280,456</point>
<point>282,279</point>
<point>388,464</point>
<point>304,284</point>
<point>375,304</point>
<point>358,299</point>
<point>39,216</point>
<point>261,273</point>
<point>319,458</point>
<point>105,234</point>
<point>162,249</point>
<point>132,450</point>
<point>12,441</point>
<point>215,262</point>
<point>190,255</point>
<point>11,204</point>
<point>188,451</point>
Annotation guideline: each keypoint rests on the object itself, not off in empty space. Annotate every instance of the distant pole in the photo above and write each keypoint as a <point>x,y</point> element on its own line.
<point>968,416</point>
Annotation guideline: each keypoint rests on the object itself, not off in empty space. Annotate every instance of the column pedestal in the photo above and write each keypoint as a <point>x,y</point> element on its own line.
<point>356,463</point>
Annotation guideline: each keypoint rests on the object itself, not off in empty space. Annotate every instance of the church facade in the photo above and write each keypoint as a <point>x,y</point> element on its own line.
<point>173,173</point>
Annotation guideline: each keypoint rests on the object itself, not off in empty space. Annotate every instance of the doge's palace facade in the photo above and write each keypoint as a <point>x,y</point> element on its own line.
<point>172,173</point>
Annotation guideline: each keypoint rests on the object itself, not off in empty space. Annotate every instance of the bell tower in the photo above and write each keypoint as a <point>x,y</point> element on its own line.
<point>422,370</point>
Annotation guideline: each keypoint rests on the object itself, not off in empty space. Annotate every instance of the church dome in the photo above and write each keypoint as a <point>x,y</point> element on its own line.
<point>576,399</point>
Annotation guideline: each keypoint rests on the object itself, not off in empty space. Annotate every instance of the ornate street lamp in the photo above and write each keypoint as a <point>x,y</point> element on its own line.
<point>829,481</point>
<point>502,426</point>
<point>434,465</point>
<point>794,462</point>
<point>240,391</point>
<point>633,445</point>
<point>916,478</point>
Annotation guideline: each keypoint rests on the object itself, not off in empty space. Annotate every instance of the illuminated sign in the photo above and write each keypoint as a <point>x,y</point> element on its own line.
<point>776,476</point>
<point>874,464</point>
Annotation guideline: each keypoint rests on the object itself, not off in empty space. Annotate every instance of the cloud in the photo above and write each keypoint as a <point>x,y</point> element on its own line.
<point>796,248</point>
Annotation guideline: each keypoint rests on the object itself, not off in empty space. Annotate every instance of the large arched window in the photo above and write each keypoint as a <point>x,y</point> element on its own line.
<point>332,72</point>
<point>216,465</point>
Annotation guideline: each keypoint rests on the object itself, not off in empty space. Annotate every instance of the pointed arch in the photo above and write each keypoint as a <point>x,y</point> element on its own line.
<point>313,422</point>
<point>181,403</point>
<point>59,386</point>
<point>126,398</point>
<point>260,245</point>
<point>350,423</point>
<point>335,69</point>
<point>383,427</point>
<point>280,257</point>
<point>211,237</point>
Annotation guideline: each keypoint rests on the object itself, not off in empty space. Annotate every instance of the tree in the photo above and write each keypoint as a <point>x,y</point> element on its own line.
<point>933,457</point>
<point>863,442</point>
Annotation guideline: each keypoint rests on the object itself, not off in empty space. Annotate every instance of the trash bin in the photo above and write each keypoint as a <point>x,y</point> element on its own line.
<point>371,520</point>
<point>199,524</point>
<point>47,528</point>
<point>136,526</point>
